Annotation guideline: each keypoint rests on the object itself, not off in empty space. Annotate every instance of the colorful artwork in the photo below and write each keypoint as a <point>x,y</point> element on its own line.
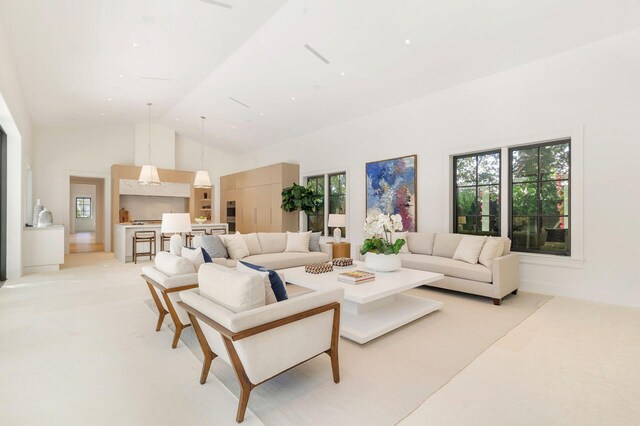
<point>391,189</point>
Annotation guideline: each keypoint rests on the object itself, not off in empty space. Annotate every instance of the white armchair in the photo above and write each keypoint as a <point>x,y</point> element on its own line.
<point>231,322</point>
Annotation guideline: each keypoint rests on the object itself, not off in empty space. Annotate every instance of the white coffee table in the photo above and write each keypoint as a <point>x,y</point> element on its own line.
<point>372,309</point>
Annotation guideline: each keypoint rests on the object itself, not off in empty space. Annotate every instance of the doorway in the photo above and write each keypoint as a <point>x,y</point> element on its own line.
<point>3,206</point>
<point>86,218</point>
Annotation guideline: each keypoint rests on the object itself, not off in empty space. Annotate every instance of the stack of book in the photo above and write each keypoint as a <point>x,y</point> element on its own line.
<point>356,277</point>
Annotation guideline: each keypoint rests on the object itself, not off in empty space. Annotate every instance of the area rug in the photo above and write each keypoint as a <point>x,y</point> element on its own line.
<point>386,379</point>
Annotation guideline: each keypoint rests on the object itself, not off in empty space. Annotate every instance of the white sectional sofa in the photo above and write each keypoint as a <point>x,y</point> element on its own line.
<point>270,252</point>
<point>434,252</point>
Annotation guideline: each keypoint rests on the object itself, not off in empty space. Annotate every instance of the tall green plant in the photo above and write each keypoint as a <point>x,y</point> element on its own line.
<point>298,197</point>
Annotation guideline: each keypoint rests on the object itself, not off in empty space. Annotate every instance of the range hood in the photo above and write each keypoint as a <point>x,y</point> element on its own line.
<point>167,189</point>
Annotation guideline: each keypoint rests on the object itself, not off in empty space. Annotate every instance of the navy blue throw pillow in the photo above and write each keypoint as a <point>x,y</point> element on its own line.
<point>277,285</point>
<point>205,255</point>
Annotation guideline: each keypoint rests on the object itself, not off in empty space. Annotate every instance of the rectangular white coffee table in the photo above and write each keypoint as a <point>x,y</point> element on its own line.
<point>372,309</point>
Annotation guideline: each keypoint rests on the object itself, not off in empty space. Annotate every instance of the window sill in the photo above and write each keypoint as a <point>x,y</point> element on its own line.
<point>550,260</point>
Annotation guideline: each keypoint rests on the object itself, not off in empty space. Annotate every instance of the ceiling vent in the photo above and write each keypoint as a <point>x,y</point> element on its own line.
<point>218,3</point>
<point>316,53</point>
<point>241,103</point>
<point>148,77</point>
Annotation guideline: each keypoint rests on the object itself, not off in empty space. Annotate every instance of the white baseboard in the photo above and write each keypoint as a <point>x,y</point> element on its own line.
<point>551,289</point>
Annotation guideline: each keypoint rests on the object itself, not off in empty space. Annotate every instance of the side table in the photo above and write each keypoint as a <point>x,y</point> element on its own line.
<point>340,250</point>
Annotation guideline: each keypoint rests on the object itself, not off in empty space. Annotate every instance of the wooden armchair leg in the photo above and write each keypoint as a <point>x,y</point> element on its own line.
<point>161,310</point>
<point>176,320</point>
<point>209,355</point>
<point>177,333</point>
<point>335,339</point>
<point>245,392</point>
<point>245,384</point>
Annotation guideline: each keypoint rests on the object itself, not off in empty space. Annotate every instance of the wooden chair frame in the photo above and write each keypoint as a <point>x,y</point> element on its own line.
<point>229,337</point>
<point>172,310</point>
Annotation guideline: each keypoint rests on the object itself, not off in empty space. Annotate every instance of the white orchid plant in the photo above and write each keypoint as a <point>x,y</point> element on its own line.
<point>380,227</point>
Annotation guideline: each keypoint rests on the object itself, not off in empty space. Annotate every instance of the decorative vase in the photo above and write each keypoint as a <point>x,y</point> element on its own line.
<point>382,262</point>
<point>45,218</point>
<point>36,212</point>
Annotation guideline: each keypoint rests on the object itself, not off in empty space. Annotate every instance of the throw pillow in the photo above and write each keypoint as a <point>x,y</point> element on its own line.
<point>236,246</point>
<point>298,242</point>
<point>212,245</point>
<point>401,235</point>
<point>314,242</point>
<point>278,287</point>
<point>269,296</point>
<point>172,265</point>
<point>196,255</point>
<point>253,244</point>
<point>469,249</point>
<point>493,248</point>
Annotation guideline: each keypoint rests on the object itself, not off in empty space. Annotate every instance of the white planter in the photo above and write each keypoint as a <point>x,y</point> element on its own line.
<point>382,262</point>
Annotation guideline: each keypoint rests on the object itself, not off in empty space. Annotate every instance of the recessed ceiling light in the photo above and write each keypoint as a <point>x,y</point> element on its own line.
<point>293,99</point>
<point>262,113</point>
<point>120,75</point>
<point>109,99</point>
<point>342,73</point>
<point>102,113</point>
<point>176,119</point>
<point>233,127</point>
<point>407,41</point>
<point>134,44</point>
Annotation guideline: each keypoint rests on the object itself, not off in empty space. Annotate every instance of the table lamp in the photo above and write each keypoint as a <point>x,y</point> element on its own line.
<point>175,223</point>
<point>337,221</point>
<point>462,220</point>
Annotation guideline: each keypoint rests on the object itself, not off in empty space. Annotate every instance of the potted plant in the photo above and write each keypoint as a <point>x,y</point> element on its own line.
<point>303,198</point>
<point>381,253</point>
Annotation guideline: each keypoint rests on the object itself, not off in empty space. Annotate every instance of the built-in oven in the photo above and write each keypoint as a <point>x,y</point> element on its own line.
<point>231,215</point>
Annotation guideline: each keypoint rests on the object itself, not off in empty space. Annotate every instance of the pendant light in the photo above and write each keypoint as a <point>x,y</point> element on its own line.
<point>202,179</point>
<point>149,172</point>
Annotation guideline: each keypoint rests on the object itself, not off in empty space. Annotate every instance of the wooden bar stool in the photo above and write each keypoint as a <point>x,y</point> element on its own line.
<point>144,237</point>
<point>164,238</point>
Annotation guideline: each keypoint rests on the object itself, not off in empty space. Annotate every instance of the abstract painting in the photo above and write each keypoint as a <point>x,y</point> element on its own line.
<point>391,189</point>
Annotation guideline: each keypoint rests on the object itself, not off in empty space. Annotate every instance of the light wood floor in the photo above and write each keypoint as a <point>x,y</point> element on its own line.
<point>84,242</point>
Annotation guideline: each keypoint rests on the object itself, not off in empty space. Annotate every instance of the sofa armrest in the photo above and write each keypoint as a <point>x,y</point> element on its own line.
<point>506,274</point>
<point>164,282</point>
<point>327,249</point>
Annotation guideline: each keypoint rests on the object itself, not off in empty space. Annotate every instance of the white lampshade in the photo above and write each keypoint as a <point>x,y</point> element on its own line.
<point>202,179</point>
<point>149,175</point>
<point>175,222</point>
<point>337,220</point>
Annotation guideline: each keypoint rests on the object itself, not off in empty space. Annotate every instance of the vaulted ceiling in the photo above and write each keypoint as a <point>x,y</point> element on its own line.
<point>269,70</point>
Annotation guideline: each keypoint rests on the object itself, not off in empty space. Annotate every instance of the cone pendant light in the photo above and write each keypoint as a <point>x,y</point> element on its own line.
<point>202,179</point>
<point>149,172</point>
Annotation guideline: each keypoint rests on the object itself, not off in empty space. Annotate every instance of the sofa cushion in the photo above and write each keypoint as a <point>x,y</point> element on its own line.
<point>469,249</point>
<point>445,245</point>
<point>212,244</point>
<point>507,246</point>
<point>287,260</point>
<point>420,242</point>
<point>236,246</point>
<point>298,242</point>
<point>236,291</point>
<point>269,296</point>
<point>172,265</point>
<point>253,244</point>
<point>493,247</point>
<point>314,242</point>
<point>446,266</point>
<point>272,242</point>
<point>401,235</point>
<point>276,284</point>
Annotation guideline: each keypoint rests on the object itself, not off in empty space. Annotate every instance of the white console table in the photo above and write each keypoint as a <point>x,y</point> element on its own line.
<point>43,248</point>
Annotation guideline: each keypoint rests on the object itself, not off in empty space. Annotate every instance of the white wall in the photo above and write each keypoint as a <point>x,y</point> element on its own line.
<point>16,122</point>
<point>595,88</point>
<point>82,224</point>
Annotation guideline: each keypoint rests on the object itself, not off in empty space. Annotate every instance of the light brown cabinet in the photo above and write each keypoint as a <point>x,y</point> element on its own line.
<point>257,196</point>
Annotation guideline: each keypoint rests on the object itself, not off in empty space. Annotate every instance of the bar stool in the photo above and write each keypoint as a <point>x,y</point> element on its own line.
<point>193,233</point>
<point>144,237</point>
<point>164,238</point>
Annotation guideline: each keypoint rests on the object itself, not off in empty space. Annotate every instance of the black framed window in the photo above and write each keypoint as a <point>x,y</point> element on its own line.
<point>315,221</point>
<point>83,207</point>
<point>476,193</point>
<point>539,188</point>
<point>338,196</point>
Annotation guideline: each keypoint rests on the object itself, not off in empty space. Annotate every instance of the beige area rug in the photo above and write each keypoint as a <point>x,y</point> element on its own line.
<point>386,379</point>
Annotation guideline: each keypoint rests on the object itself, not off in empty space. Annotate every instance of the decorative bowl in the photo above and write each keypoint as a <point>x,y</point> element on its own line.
<point>200,220</point>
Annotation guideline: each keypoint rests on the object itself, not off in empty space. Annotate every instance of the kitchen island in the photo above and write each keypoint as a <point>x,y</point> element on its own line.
<point>123,237</point>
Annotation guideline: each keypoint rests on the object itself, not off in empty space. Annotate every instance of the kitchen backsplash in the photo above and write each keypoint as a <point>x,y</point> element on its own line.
<point>151,208</point>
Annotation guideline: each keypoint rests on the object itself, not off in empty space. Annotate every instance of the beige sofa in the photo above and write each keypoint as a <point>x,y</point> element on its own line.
<point>434,253</point>
<point>272,255</point>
